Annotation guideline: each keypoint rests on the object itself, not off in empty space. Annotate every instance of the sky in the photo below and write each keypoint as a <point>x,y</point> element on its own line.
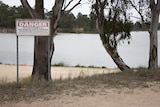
<point>84,8</point>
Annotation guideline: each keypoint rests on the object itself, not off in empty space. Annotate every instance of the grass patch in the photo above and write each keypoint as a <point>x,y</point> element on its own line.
<point>90,66</point>
<point>80,66</point>
<point>26,79</point>
<point>62,64</point>
<point>30,91</point>
<point>3,80</point>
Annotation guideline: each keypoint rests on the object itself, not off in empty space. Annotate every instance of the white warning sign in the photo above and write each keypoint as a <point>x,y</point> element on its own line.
<point>32,27</point>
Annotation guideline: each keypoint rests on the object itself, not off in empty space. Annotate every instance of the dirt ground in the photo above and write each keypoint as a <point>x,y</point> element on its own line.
<point>95,97</point>
<point>149,97</point>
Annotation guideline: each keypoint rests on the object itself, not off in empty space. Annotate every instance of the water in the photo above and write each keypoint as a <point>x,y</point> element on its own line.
<point>82,49</point>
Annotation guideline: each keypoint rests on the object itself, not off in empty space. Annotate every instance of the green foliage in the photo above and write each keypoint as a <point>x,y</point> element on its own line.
<point>82,23</point>
<point>115,23</point>
<point>117,27</point>
<point>9,14</point>
<point>118,22</point>
<point>69,23</point>
<point>60,64</point>
<point>78,65</point>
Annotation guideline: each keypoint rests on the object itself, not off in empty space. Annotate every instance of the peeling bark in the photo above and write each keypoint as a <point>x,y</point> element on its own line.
<point>112,51</point>
<point>155,10</point>
<point>153,53</point>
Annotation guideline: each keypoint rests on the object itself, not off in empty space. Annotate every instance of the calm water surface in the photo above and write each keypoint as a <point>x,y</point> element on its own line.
<point>82,49</point>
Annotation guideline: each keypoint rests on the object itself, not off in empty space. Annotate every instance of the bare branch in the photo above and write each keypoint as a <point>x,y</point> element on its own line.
<point>158,5</point>
<point>31,11</point>
<point>152,4</point>
<point>68,11</point>
<point>56,14</point>
<point>138,11</point>
<point>65,7</point>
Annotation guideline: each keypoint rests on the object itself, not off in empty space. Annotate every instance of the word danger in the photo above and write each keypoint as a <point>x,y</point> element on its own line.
<point>32,27</point>
<point>33,24</point>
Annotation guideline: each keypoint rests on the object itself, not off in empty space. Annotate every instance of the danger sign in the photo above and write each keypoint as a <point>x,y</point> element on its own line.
<point>32,27</point>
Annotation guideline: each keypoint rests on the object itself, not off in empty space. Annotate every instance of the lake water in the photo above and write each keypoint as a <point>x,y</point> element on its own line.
<point>82,49</point>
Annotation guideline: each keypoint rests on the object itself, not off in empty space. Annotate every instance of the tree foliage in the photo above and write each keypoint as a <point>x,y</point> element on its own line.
<point>113,25</point>
<point>67,24</point>
<point>9,14</point>
<point>117,23</point>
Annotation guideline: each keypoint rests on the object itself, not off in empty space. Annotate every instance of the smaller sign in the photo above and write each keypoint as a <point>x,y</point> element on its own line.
<point>32,27</point>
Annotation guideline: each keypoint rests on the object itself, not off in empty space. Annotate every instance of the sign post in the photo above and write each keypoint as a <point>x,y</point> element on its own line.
<point>17,61</point>
<point>49,72</point>
<point>33,27</point>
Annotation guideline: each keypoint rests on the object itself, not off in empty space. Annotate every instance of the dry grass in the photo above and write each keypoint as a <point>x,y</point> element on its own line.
<point>3,80</point>
<point>30,91</point>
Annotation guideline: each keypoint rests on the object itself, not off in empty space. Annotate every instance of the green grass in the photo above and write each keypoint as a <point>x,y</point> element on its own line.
<point>62,64</point>
<point>30,91</point>
<point>80,66</point>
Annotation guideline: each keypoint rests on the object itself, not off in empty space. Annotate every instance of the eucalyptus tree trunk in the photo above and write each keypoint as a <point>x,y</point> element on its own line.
<point>105,38</point>
<point>154,10</point>
<point>153,53</point>
<point>40,66</point>
<point>112,51</point>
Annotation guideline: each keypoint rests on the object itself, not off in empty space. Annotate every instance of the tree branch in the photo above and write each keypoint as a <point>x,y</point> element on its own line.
<point>40,8</point>
<point>26,5</point>
<point>68,4</point>
<point>56,14</point>
<point>158,5</point>
<point>78,3</point>
<point>152,4</point>
<point>142,18</point>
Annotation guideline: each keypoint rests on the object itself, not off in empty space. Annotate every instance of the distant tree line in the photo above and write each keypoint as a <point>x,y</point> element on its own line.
<point>9,14</point>
<point>79,24</point>
<point>70,23</point>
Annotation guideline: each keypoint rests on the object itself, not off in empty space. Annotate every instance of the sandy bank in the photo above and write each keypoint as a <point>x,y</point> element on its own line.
<point>8,73</point>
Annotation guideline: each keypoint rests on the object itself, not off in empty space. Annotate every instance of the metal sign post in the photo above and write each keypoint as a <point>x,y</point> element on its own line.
<point>17,62</point>
<point>49,64</point>
<point>33,27</point>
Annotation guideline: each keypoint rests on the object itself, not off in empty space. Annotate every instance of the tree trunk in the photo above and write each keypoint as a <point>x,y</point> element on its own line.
<point>112,51</point>
<point>153,53</point>
<point>100,25</point>
<point>40,66</point>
